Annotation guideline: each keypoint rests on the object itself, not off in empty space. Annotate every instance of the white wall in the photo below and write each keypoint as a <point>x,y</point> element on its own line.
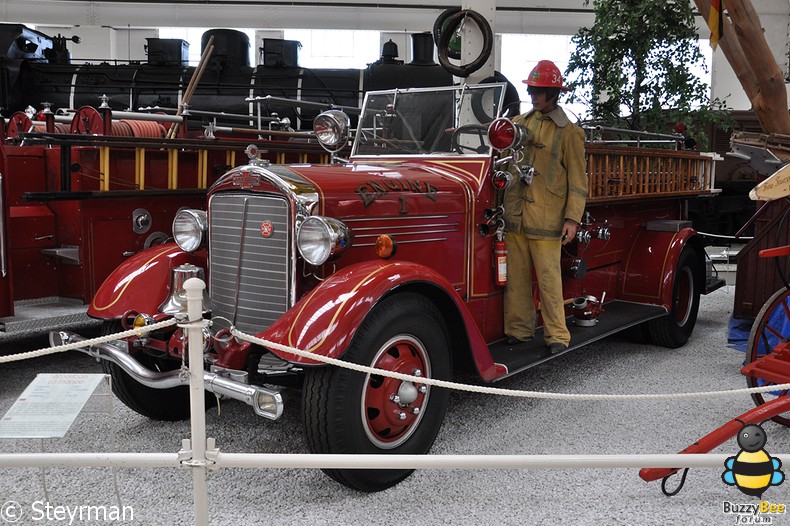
<point>103,43</point>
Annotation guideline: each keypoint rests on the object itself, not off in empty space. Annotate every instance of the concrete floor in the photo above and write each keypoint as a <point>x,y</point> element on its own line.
<point>475,424</point>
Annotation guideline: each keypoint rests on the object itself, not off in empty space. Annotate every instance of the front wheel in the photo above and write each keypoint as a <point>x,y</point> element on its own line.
<point>348,412</point>
<point>674,329</point>
<point>158,404</point>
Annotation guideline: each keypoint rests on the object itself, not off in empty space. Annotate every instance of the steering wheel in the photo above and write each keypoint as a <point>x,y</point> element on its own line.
<point>470,129</point>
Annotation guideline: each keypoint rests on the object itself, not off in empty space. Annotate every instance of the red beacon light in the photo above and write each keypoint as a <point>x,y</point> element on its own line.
<point>501,179</point>
<point>504,134</point>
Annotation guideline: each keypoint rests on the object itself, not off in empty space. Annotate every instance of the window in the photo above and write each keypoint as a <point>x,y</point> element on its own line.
<point>520,53</point>
<point>334,48</point>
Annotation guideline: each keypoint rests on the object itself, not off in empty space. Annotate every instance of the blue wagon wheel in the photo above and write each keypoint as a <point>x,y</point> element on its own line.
<point>771,327</point>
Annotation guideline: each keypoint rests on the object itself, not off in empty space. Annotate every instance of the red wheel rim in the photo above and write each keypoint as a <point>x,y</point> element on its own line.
<point>391,408</point>
<point>87,121</point>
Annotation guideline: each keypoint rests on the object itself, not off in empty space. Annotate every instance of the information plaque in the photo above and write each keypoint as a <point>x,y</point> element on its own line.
<point>48,406</point>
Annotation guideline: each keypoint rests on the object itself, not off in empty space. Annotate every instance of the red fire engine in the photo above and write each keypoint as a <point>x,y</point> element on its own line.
<point>97,173</point>
<point>390,259</point>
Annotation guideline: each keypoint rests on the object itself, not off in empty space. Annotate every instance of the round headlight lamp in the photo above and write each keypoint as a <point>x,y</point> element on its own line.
<point>332,129</point>
<point>189,229</point>
<point>321,238</point>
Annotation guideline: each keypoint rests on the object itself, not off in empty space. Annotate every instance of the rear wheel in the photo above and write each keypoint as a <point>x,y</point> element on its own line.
<point>348,412</point>
<point>771,327</point>
<point>159,404</point>
<point>674,329</point>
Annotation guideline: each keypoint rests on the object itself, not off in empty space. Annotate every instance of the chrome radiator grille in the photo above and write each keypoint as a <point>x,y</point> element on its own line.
<point>248,273</point>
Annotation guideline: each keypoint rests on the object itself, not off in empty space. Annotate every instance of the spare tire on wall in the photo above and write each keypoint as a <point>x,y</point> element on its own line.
<point>448,30</point>
<point>439,27</point>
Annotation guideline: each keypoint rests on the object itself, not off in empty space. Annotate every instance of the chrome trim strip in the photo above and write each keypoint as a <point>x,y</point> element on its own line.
<point>416,233</point>
<point>434,225</point>
<point>409,218</point>
<point>240,259</point>
<point>405,242</point>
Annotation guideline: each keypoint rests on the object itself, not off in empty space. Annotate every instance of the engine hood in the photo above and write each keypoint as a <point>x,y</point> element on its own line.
<point>365,189</point>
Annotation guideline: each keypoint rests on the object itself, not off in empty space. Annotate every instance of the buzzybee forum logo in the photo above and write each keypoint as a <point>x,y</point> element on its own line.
<point>752,470</point>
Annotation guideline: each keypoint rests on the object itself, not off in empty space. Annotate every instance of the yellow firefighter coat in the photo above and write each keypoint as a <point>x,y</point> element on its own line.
<point>555,147</point>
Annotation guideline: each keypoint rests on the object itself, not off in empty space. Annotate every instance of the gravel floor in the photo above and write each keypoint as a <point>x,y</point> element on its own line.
<point>475,424</point>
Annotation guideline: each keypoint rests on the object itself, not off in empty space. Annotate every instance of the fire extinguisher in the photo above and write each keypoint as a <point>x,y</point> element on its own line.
<point>500,258</point>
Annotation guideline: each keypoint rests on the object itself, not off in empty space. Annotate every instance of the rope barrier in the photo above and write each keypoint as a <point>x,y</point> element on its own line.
<point>496,390</point>
<point>480,389</point>
<point>87,343</point>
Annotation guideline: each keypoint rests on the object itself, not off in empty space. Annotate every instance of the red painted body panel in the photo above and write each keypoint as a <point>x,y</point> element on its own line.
<point>142,282</point>
<point>649,266</point>
<point>327,318</point>
<point>424,211</point>
<point>97,223</point>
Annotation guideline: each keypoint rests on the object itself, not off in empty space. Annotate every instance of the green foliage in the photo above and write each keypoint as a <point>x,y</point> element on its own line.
<point>633,68</point>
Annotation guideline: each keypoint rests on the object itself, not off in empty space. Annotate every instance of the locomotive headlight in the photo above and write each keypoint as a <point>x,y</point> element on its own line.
<point>331,129</point>
<point>321,238</point>
<point>189,229</point>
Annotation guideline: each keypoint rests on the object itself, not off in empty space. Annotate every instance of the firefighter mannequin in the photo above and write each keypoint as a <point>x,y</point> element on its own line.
<point>541,215</point>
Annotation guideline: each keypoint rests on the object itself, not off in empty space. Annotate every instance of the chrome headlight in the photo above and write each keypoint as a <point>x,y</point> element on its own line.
<point>331,129</point>
<point>320,238</point>
<point>189,229</point>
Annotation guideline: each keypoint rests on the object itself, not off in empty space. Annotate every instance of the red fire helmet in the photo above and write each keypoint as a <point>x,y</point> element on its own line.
<point>545,75</point>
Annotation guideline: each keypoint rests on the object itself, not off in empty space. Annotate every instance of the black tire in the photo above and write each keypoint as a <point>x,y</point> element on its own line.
<point>347,412</point>
<point>674,329</point>
<point>439,27</point>
<point>452,24</point>
<point>158,404</point>
<point>511,105</point>
<point>639,333</point>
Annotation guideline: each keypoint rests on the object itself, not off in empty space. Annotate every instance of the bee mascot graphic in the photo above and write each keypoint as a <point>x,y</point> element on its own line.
<point>752,470</point>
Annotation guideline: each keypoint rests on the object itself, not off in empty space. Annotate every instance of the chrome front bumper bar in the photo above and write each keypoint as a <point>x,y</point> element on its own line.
<point>267,402</point>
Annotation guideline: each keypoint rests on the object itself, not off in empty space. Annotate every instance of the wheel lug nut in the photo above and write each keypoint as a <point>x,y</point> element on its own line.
<point>415,411</point>
<point>417,372</point>
<point>401,415</point>
<point>423,389</point>
<point>395,398</point>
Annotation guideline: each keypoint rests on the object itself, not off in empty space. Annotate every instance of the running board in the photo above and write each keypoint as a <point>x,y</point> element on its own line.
<point>616,316</point>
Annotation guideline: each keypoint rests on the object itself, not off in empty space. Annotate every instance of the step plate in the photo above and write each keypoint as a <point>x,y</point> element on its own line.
<point>39,316</point>
<point>617,315</point>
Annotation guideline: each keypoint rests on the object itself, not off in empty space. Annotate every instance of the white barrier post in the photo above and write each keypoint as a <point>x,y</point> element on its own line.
<point>194,290</point>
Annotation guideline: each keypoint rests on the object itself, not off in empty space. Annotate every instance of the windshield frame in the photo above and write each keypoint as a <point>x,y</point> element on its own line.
<point>426,121</point>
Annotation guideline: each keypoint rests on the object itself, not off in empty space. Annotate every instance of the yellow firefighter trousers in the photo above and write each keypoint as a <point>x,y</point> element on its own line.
<point>544,254</point>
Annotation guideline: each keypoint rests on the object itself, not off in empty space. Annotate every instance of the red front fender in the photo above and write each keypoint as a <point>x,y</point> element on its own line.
<point>650,264</point>
<point>142,282</point>
<point>325,321</point>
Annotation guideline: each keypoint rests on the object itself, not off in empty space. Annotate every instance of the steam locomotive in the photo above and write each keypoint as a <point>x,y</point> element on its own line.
<point>37,68</point>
